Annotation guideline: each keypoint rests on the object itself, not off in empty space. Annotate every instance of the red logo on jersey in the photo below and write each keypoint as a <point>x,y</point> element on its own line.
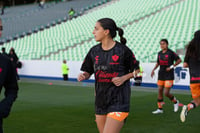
<point>115,58</point>
<point>1,70</point>
<point>166,57</point>
<point>104,76</point>
<point>195,78</point>
<point>97,59</point>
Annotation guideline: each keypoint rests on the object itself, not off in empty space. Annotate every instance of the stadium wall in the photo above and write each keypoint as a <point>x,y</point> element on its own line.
<point>52,70</point>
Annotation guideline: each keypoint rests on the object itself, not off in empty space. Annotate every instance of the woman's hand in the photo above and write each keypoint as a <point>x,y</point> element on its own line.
<point>81,77</point>
<point>185,65</point>
<point>152,74</point>
<point>135,73</point>
<point>168,69</point>
<point>118,81</point>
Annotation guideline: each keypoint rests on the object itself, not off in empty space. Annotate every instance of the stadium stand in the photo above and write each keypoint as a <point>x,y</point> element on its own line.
<point>26,18</point>
<point>145,22</point>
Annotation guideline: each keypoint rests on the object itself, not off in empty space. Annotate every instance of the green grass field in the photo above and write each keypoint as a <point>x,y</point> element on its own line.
<point>67,108</point>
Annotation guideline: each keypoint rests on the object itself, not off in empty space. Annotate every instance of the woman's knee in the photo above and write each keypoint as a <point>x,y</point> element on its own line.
<point>197,101</point>
<point>167,94</point>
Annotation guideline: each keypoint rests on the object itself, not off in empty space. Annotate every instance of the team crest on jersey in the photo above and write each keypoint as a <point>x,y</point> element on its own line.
<point>115,58</point>
<point>166,57</point>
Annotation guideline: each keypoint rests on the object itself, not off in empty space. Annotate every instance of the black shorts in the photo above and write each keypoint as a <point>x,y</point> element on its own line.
<point>112,99</point>
<point>105,109</point>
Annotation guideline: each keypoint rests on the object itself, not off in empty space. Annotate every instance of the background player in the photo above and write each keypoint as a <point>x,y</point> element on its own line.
<point>113,64</point>
<point>65,70</point>
<point>9,82</point>
<point>192,60</point>
<point>166,58</point>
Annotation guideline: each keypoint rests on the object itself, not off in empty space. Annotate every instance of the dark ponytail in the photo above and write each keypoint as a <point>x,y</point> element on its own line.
<point>121,33</point>
<point>110,24</point>
<point>193,48</point>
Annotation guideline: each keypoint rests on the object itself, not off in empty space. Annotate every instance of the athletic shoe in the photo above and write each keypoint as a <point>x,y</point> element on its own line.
<point>176,106</point>
<point>158,111</point>
<point>183,113</point>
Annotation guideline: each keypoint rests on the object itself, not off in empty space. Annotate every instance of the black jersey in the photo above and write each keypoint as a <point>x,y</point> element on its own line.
<point>8,77</point>
<point>194,68</point>
<point>166,60</point>
<point>106,65</point>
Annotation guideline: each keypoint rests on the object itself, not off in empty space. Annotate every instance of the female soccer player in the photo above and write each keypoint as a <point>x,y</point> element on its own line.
<point>166,58</point>
<point>113,64</point>
<point>9,82</point>
<point>192,60</point>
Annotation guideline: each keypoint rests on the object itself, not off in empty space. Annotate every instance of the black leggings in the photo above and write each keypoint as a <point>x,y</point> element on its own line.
<point>65,77</point>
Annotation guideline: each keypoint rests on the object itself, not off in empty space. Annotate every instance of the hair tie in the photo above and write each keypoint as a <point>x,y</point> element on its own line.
<point>117,29</point>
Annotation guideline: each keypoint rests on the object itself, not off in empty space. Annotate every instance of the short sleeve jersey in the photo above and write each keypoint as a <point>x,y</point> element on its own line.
<point>166,60</point>
<point>194,68</point>
<point>65,69</point>
<point>8,76</point>
<point>106,65</point>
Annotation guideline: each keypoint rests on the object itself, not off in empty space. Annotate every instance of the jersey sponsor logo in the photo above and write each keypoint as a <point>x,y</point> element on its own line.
<point>163,62</point>
<point>104,80</point>
<point>104,76</point>
<point>96,59</point>
<point>1,70</point>
<point>195,78</point>
<point>101,67</point>
<point>115,59</point>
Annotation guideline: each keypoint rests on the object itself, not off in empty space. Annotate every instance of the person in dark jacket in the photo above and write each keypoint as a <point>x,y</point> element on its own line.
<point>3,50</point>
<point>8,81</point>
<point>14,59</point>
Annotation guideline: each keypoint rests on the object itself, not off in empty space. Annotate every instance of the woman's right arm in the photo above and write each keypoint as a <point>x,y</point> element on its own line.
<point>156,66</point>
<point>86,68</point>
<point>83,76</point>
